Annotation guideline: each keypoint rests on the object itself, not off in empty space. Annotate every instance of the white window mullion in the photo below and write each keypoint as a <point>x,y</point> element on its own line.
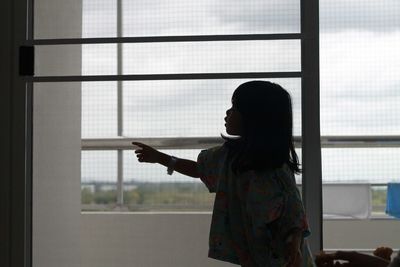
<point>120,170</point>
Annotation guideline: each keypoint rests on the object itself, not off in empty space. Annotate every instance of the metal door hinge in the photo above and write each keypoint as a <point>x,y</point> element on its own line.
<point>26,61</point>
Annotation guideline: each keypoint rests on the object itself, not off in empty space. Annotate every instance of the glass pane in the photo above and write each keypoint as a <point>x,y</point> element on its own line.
<point>99,109</point>
<point>99,180</point>
<point>149,187</point>
<point>99,18</point>
<point>99,59</point>
<point>363,165</point>
<point>358,165</point>
<point>360,66</point>
<point>188,108</point>
<point>180,17</point>
<point>362,174</point>
<point>211,57</point>
<point>170,58</point>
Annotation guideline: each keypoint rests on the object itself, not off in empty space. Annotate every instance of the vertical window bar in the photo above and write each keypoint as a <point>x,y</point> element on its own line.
<point>120,174</point>
<point>311,145</point>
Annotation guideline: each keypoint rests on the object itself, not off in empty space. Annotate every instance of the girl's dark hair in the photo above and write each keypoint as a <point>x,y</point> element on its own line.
<point>266,141</point>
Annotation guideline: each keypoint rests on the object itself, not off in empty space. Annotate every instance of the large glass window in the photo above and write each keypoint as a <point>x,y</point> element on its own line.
<point>113,179</point>
<point>359,66</point>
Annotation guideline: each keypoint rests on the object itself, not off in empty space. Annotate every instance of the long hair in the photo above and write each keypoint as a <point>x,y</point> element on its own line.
<point>266,141</point>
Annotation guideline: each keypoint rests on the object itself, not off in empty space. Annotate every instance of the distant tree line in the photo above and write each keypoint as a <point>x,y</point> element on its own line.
<point>174,195</point>
<point>150,194</point>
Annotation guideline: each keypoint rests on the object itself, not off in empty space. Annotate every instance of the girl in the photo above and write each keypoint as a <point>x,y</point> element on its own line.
<point>258,217</point>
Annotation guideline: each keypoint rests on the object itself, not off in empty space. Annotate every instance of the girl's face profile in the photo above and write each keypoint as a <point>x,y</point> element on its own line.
<point>233,121</point>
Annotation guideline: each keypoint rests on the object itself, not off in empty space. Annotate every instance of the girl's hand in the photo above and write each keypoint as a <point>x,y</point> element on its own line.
<point>146,153</point>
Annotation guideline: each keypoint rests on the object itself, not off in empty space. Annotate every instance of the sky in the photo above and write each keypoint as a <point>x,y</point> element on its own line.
<point>359,55</point>
<point>359,71</point>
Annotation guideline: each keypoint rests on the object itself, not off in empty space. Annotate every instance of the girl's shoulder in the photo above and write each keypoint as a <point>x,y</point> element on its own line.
<point>216,151</point>
<point>213,155</point>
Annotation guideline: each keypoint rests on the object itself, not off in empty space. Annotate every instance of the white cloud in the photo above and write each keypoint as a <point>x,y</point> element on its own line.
<point>99,18</point>
<point>360,15</point>
<point>212,57</point>
<point>179,17</point>
<point>360,83</point>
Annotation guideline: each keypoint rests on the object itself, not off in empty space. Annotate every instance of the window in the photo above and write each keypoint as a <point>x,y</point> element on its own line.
<point>183,60</point>
<point>359,43</point>
<point>176,109</point>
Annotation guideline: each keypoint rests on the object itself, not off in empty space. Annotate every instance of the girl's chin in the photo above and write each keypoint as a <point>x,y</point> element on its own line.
<point>230,133</point>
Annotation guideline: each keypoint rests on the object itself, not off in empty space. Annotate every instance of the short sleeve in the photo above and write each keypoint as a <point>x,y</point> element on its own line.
<point>270,201</point>
<point>209,165</point>
<point>264,203</point>
<point>294,217</point>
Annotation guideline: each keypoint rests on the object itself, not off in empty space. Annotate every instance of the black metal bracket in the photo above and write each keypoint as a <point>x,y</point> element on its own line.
<point>26,61</point>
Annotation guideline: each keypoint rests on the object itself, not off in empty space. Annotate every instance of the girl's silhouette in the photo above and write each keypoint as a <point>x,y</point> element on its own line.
<point>258,217</point>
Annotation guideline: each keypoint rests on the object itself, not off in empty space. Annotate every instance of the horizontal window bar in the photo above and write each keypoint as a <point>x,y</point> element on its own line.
<point>134,213</point>
<point>299,185</point>
<point>359,141</point>
<point>158,143</point>
<point>163,39</point>
<point>365,250</point>
<point>124,143</point>
<point>152,77</point>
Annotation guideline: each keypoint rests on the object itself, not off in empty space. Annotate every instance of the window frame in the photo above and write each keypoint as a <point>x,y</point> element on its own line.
<point>309,74</point>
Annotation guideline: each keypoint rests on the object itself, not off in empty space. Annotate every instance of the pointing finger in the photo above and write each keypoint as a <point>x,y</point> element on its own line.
<point>139,144</point>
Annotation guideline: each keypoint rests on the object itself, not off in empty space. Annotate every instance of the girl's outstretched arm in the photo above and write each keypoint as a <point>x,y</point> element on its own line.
<point>146,153</point>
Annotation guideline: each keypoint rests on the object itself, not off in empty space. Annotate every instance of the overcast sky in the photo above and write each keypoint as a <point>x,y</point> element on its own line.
<point>359,66</point>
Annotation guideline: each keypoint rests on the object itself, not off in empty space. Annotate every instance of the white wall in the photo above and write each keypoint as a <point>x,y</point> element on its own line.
<point>56,142</point>
<point>361,234</point>
<point>56,176</point>
<point>180,240</point>
<point>129,239</point>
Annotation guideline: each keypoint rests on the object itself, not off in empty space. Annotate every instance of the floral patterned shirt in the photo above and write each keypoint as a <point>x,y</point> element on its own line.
<point>254,212</point>
<point>396,261</point>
